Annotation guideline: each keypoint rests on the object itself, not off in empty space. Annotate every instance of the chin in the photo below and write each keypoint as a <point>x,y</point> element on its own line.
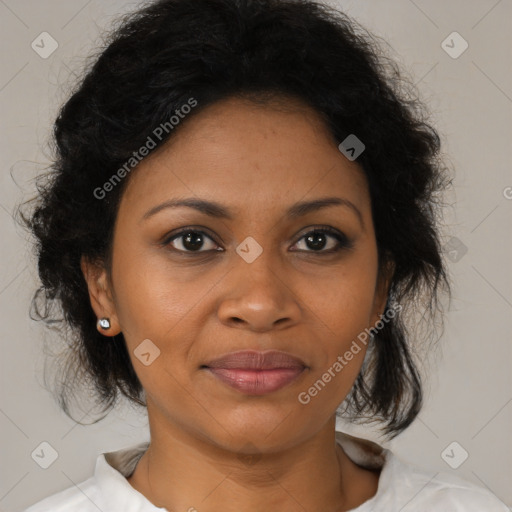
<point>264,430</point>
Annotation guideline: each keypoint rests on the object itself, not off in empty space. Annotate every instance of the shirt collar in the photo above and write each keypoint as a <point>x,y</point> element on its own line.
<point>111,471</point>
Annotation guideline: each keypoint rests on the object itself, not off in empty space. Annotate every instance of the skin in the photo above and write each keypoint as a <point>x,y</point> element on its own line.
<point>257,161</point>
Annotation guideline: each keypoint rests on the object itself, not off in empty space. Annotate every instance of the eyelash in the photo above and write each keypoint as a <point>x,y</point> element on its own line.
<point>343,241</point>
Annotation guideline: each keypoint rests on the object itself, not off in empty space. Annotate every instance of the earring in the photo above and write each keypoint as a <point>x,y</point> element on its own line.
<point>104,323</point>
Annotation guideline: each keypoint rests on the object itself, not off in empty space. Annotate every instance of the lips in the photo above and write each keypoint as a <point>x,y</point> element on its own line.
<point>256,373</point>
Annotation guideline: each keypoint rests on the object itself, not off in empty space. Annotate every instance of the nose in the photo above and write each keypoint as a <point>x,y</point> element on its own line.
<point>258,296</point>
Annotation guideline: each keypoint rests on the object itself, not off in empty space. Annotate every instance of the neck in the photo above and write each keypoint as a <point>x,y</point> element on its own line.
<point>180,472</point>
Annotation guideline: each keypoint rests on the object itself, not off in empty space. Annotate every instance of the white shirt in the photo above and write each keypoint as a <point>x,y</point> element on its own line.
<point>402,486</point>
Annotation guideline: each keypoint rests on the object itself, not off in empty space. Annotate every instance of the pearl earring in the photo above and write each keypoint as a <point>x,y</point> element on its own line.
<point>104,323</point>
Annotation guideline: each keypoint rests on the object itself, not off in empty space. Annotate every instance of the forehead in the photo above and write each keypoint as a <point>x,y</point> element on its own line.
<point>248,155</point>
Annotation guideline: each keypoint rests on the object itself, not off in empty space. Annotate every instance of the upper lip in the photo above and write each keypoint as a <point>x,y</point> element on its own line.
<point>255,360</point>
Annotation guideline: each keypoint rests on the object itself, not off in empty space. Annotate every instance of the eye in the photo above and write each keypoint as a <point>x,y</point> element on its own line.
<point>190,240</point>
<point>318,238</point>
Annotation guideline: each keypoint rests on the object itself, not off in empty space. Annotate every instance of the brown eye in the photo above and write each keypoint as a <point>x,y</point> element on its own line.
<point>318,239</point>
<point>191,240</point>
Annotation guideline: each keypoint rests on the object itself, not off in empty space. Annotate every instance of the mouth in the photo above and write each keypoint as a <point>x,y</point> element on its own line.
<point>256,373</point>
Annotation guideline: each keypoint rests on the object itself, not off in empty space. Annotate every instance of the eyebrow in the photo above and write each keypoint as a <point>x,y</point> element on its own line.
<point>217,210</point>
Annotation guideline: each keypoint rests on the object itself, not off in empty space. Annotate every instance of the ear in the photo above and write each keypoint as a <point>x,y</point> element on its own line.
<point>100,294</point>
<point>382,287</point>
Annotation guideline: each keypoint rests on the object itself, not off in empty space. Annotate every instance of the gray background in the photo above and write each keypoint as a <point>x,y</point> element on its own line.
<point>470,393</point>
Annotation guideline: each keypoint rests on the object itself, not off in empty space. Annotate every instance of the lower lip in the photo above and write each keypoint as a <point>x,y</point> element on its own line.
<point>256,382</point>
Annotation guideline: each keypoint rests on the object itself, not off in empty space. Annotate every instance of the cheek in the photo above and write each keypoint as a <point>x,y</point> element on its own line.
<point>151,309</point>
<point>344,299</point>
<point>156,301</point>
<point>343,306</point>
<point>152,295</point>
<point>343,340</point>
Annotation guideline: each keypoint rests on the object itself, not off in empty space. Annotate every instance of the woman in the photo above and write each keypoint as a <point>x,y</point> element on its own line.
<point>238,227</point>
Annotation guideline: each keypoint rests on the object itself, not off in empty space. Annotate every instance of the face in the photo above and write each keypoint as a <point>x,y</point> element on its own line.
<point>262,276</point>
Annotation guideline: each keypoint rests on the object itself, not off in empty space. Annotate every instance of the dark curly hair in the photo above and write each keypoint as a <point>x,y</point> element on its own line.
<point>153,62</point>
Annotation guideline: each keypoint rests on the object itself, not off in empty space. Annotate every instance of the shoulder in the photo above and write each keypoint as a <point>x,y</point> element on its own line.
<point>107,489</point>
<point>406,487</point>
<point>83,497</point>
<point>411,488</point>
